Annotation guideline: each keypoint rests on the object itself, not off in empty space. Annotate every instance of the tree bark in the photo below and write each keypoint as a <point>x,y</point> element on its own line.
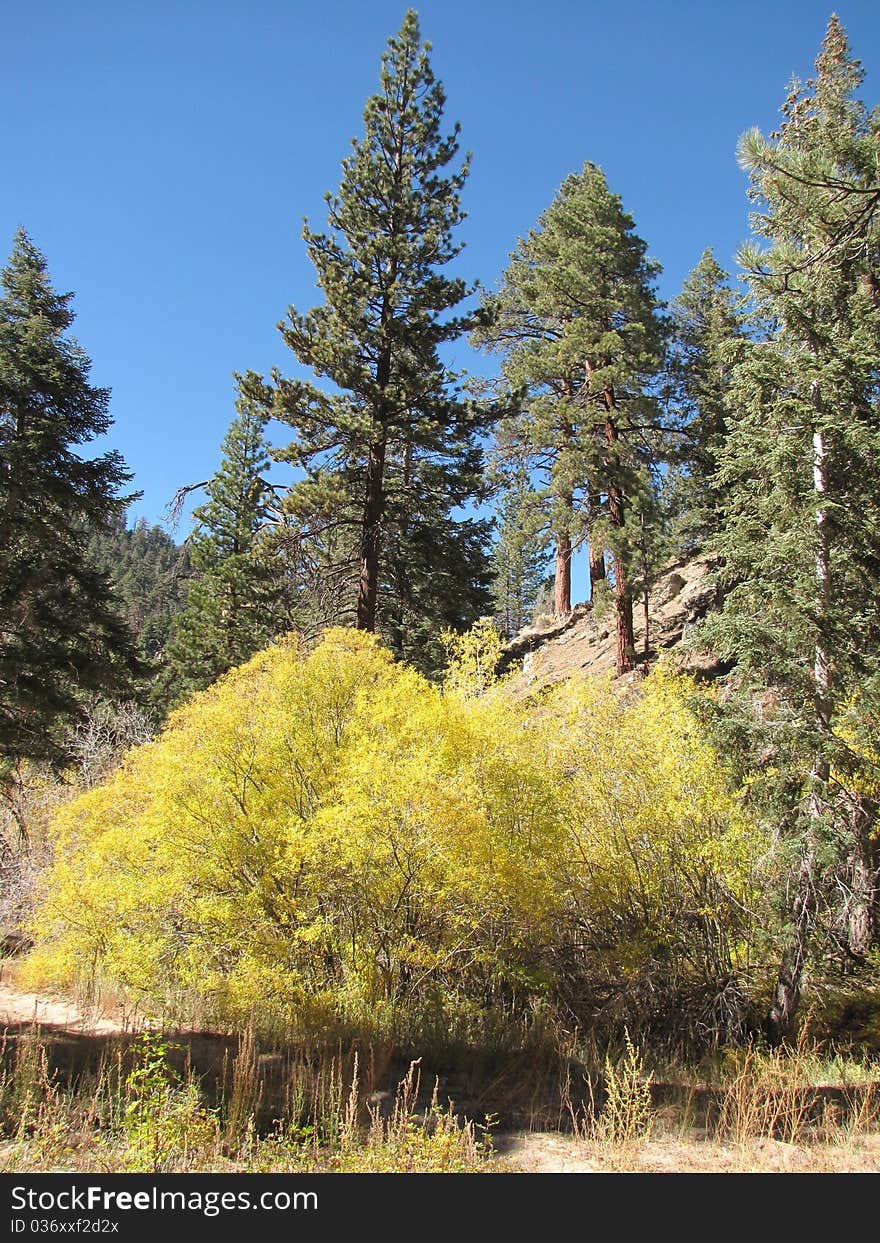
<point>371,533</point>
<point>787,995</point>
<point>597,555</point>
<point>562,580</point>
<point>565,499</point>
<point>626,641</point>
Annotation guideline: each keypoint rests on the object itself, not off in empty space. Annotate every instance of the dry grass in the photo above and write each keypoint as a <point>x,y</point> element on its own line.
<point>143,1116</point>
<point>144,1107</point>
<point>790,1109</point>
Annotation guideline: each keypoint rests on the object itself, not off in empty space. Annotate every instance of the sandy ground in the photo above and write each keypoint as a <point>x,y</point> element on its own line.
<point>534,1152</point>
<point>18,1006</point>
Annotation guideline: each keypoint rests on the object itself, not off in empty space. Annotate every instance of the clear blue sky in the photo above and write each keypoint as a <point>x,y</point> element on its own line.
<point>162,155</point>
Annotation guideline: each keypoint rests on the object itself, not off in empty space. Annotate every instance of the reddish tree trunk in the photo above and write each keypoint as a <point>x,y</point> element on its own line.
<point>597,555</point>
<point>626,640</point>
<point>562,581</point>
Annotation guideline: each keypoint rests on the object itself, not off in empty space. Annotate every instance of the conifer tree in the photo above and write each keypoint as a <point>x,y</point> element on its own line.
<point>577,322</point>
<point>707,331</point>
<point>231,609</point>
<point>62,639</point>
<point>389,451</point>
<point>519,556</point>
<point>802,533</point>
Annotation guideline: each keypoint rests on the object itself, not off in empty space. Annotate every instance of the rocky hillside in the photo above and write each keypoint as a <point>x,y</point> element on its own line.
<point>553,649</point>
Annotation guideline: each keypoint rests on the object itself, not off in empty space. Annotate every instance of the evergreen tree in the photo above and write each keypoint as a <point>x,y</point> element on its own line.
<point>437,565</point>
<point>231,609</point>
<point>519,556</point>
<point>707,332</point>
<point>62,639</point>
<point>577,322</point>
<point>801,544</point>
<point>389,455</point>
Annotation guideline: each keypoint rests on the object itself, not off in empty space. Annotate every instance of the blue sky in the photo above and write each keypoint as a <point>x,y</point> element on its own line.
<point>163,155</point>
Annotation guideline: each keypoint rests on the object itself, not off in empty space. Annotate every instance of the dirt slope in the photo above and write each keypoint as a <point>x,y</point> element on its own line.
<point>19,1007</point>
<point>585,641</point>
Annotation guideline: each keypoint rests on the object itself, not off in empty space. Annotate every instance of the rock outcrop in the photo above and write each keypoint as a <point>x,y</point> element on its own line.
<point>556,648</point>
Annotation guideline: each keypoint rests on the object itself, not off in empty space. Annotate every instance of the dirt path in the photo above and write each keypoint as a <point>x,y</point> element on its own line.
<point>18,1007</point>
<point>535,1152</point>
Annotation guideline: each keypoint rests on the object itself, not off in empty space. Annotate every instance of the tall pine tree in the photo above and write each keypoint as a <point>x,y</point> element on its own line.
<point>389,450</point>
<point>577,322</point>
<point>801,541</point>
<point>62,638</point>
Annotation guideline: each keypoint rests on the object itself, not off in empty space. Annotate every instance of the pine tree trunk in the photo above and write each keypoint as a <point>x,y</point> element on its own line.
<point>371,531</point>
<point>794,956</point>
<point>397,610</point>
<point>565,500</point>
<point>597,555</point>
<point>626,641</point>
<point>562,580</point>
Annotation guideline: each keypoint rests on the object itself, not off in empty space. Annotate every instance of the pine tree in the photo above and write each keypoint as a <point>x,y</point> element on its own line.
<point>801,544</point>
<point>707,331</point>
<point>519,556</point>
<point>577,322</point>
<point>389,455</point>
<point>231,609</point>
<point>62,639</point>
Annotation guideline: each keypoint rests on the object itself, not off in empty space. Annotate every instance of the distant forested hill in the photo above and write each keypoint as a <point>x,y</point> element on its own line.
<point>151,574</point>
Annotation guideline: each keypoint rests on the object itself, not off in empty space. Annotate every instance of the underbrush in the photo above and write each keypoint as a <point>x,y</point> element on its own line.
<point>147,1108</point>
<point>138,1114</point>
<point>742,1108</point>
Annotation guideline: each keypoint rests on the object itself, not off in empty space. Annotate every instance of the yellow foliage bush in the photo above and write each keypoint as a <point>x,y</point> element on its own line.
<point>324,833</point>
<point>661,862</point>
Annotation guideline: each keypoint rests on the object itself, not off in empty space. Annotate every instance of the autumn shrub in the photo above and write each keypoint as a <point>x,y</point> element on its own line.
<point>326,838</point>
<point>660,869</point>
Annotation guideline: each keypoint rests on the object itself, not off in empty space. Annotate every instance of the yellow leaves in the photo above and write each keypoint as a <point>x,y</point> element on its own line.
<point>472,658</point>
<point>655,833</point>
<point>327,825</point>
